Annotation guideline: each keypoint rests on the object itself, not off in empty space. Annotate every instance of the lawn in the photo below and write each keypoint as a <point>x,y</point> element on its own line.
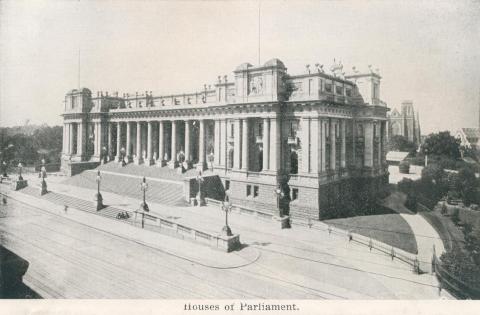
<point>389,228</point>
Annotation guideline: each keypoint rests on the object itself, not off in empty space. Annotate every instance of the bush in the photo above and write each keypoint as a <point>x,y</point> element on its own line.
<point>456,216</point>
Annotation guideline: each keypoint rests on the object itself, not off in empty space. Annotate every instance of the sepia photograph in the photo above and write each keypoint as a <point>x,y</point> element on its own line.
<point>230,157</point>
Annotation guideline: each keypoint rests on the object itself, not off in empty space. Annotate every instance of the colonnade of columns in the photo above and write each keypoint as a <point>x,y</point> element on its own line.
<point>317,133</point>
<point>142,140</point>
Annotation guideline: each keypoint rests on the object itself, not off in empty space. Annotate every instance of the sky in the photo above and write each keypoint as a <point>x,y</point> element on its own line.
<point>426,51</point>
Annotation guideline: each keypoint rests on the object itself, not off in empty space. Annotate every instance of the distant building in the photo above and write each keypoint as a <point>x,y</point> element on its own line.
<point>469,137</point>
<point>405,123</point>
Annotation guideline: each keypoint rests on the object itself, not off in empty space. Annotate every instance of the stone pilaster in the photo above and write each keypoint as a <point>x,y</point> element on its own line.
<point>275,142</point>
<point>109,141</point>
<point>236,144</point>
<point>305,141</point>
<point>187,141</point>
<point>217,147</point>
<point>343,162</point>
<point>245,144</point>
<point>128,144</point>
<point>266,144</point>
<point>368,153</point>
<point>333,144</point>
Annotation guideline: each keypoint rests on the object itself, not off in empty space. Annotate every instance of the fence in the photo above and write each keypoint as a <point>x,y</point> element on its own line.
<point>455,286</point>
<point>381,247</point>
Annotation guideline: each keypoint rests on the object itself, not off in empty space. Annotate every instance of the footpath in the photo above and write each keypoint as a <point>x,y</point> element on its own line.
<point>425,234</point>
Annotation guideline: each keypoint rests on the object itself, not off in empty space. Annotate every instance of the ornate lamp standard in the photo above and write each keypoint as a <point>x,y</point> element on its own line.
<point>98,196</point>
<point>43,174</point>
<point>20,167</point>
<point>227,207</point>
<point>200,199</point>
<point>144,188</point>
<point>279,193</point>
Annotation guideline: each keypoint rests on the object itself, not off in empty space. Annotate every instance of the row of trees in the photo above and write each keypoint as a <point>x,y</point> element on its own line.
<point>29,148</point>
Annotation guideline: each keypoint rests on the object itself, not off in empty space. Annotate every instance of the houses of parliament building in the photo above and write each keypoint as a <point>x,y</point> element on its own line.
<point>319,138</point>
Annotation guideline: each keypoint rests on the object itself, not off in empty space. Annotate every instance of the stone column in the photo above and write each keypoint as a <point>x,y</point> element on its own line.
<point>223,142</point>
<point>161,143</point>
<point>333,145</point>
<point>245,144</point>
<point>201,146</point>
<point>119,141</point>
<point>323,139</point>
<point>216,145</point>
<point>64,143</point>
<point>149,160</point>
<point>128,149</point>
<point>343,162</point>
<point>80,141</point>
<point>368,154</point>
<point>275,142</point>
<point>96,138</point>
<point>70,138</point>
<point>236,144</point>
<point>187,142</point>
<point>173,158</point>
<point>266,144</point>
<point>138,155</point>
<point>305,141</point>
<point>109,141</point>
<point>315,156</point>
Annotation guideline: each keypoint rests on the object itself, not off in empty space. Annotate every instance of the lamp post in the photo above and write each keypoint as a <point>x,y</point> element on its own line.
<point>98,196</point>
<point>43,174</point>
<point>227,207</point>
<point>279,193</point>
<point>200,180</point>
<point>20,167</point>
<point>144,188</point>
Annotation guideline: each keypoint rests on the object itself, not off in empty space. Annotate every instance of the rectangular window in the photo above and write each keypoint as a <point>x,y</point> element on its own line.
<point>339,90</point>
<point>348,92</point>
<point>310,86</point>
<point>232,130</point>
<point>328,87</point>
<point>249,190</point>
<point>294,194</point>
<point>255,191</point>
<point>227,184</point>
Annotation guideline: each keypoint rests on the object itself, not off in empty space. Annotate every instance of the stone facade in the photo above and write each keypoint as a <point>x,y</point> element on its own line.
<point>405,123</point>
<point>313,135</point>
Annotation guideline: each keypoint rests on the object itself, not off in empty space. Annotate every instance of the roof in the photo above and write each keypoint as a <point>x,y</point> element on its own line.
<point>472,134</point>
<point>274,63</point>
<point>396,156</point>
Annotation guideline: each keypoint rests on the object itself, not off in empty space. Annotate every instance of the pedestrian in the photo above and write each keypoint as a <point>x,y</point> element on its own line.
<point>65,208</point>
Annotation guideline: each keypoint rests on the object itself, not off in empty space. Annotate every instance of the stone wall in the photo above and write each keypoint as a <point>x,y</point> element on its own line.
<point>74,168</point>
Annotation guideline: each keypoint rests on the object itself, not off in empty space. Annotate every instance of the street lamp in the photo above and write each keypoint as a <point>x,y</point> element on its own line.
<point>20,167</point>
<point>144,188</point>
<point>280,194</point>
<point>227,207</point>
<point>43,174</point>
<point>200,180</point>
<point>98,196</point>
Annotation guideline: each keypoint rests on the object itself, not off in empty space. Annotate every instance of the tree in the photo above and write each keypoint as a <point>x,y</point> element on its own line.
<point>442,144</point>
<point>401,143</point>
<point>467,186</point>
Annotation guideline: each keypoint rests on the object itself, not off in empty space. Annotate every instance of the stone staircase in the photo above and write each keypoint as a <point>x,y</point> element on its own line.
<point>77,203</point>
<point>166,193</point>
<point>148,171</point>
